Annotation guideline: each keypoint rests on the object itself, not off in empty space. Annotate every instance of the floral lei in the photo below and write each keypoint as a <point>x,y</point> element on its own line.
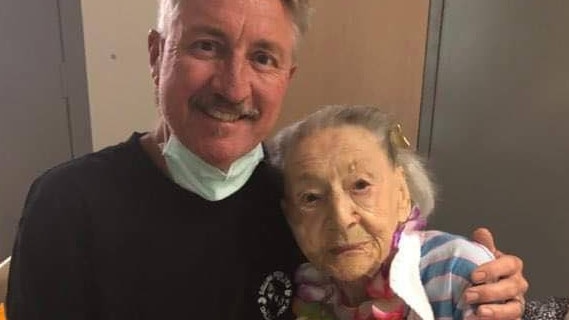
<point>319,298</point>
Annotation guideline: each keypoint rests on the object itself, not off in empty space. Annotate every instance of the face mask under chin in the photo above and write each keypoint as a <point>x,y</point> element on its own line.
<point>195,175</point>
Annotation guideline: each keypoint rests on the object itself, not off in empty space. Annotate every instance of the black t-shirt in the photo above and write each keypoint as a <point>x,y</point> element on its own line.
<point>109,236</point>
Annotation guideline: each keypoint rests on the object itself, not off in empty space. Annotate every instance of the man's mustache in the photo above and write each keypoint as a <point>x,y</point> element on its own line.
<point>218,102</point>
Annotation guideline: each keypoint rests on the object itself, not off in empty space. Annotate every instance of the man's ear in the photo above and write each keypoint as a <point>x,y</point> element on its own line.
<point>403,195</point>
<point>155,43</point>
<point>292,71</point>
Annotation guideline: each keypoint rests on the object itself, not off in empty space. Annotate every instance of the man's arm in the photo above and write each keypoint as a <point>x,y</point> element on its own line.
<point>48,272</point>
<point>500,280</point>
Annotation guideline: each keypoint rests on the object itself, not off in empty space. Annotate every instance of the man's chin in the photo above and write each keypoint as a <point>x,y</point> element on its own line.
<point>221,153</point>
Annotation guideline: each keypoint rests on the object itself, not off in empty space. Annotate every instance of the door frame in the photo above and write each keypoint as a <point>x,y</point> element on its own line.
<point>74,77</point>
<point>430,73</point>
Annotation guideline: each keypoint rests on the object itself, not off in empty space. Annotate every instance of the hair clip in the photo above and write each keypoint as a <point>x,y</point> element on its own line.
<point>397,138</point>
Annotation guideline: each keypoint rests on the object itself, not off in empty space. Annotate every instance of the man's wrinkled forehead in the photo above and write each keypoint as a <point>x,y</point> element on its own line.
<point>267,23</point>
<point>221,10</point>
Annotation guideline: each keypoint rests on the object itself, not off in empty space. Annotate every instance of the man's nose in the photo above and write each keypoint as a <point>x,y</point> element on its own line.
<point>232,79</point>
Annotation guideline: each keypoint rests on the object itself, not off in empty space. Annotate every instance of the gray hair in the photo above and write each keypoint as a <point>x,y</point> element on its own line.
<point>300,11</point>
<point>421,187</point>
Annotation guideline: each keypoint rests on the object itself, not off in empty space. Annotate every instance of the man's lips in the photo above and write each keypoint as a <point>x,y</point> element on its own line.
<point>349,247</point>
<point>224,111</point>
<point>223,114</point>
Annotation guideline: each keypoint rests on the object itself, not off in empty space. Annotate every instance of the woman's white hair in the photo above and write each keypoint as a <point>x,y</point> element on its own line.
<point>421,188</point>
<point>299,10</point>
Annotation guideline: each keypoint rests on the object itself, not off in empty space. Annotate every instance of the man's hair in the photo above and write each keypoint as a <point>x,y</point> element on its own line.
<point>299,10</point>
<point>421,187</point>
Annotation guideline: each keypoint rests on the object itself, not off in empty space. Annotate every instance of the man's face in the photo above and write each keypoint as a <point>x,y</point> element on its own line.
<point>344,200</point>
<point>222,71</point>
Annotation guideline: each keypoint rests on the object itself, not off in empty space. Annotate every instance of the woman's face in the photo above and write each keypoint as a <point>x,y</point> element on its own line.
<point>343,200</point>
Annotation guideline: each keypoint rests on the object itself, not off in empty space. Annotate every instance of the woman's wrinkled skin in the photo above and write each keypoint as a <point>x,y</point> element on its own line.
<point>344,200</point>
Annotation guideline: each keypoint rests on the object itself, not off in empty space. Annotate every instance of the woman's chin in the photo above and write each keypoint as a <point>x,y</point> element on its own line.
<point>350,270</point>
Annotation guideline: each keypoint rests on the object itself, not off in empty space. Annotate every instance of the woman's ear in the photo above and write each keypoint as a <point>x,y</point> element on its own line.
<point>403,195</point>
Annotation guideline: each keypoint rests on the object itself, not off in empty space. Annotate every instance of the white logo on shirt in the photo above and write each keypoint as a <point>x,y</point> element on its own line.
<point>275,295</point>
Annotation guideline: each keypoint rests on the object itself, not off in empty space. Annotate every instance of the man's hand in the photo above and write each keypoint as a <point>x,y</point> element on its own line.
<point>499,280</point>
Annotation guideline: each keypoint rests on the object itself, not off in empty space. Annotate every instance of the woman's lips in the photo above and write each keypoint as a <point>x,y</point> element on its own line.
<point>348,248</point>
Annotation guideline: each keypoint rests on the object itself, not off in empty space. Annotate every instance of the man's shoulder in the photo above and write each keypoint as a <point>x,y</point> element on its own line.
<point>84,174</point>
<point>92,164</point>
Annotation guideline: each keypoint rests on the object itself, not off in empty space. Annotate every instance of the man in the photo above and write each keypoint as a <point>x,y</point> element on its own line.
<point>184,222</point>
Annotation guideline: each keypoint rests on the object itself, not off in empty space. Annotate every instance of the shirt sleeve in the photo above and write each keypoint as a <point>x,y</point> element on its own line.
<point>49,273</point>
<point>446,264</point>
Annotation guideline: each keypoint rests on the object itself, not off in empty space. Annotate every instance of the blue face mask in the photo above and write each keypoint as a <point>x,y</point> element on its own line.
<point>193,174</point>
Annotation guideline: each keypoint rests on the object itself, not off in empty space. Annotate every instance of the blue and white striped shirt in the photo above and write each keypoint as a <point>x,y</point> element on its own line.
<point>445,264</point>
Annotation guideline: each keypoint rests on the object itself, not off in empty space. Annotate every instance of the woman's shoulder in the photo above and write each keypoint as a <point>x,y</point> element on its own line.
<point>444,252</point>
<point>435,241</point>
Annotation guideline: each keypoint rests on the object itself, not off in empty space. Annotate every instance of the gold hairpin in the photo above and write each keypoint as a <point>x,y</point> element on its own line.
<point>397,137</point>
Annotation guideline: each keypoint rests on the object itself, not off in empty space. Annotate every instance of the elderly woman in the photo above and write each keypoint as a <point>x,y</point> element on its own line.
<point>355,197</point>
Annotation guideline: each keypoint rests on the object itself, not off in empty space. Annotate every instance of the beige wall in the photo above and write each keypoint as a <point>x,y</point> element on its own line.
<point>363,52</point>
<point>120,87</point>
<point>358,52</point>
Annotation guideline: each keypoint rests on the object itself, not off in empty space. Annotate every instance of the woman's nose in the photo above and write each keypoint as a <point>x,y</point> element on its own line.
<point>344,211</point>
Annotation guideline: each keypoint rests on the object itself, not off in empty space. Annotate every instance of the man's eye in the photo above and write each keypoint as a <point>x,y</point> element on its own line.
<point>205,48</point>
<point>205,45</point>
<point>264,59</point>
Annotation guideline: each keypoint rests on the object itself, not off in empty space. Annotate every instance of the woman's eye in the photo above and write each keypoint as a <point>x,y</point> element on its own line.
<point>309,198</point>
<point>361,185</point>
